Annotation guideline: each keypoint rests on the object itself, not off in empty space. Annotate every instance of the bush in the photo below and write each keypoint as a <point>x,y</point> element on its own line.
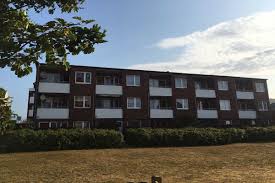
<point>30,140</point>
<point>196,136</point>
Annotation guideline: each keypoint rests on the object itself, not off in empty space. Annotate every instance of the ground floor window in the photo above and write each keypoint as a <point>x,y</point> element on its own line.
<point>81,124</point>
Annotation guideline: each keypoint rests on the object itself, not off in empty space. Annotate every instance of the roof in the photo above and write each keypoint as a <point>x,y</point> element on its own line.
<point>140,70</point>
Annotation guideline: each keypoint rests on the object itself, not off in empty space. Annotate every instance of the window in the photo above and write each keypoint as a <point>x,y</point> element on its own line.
<point>180,83</point>
<point>154,83</point>
<point>133,103</point>
<point>82,101</point>
<point>52,124</point>
<point>225,105</point>
<point>133,80</point>
<point>260,87</point>
<point>83,77</point>
<point>223,85</point>
<point>182,104</point>
<point>228,122</point>
<point>263,106</point>
<point>81,124</point>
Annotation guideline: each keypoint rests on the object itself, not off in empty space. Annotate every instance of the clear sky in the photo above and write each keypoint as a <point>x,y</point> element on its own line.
<point>230,37</point>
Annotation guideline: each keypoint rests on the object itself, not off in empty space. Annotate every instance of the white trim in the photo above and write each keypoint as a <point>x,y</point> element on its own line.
<point>82,124</point>
<point>225,105</point>
<point>223,85</point>
<point>85,82</point>
<point>183,101</point>
<point>135,80</point>
<point>83,102</point>
<point>260,87</point>
<point>183,82</point>
<point>135,103</point>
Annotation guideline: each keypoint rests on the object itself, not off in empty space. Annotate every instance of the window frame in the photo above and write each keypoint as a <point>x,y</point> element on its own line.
<point>183,84</point>
<point>261,89</point>
<point>135,102</point>
<point>225,109</point>
<point>263,104</point>
<point>83,102</point>
<point>134,79</point>
<point>84,73</point>
<point>221,84</point>
<point>183,100</point>
<point>82,124</point>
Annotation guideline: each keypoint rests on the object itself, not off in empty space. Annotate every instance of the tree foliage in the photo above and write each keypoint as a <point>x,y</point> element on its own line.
<point>24,42</point>
<point>5,111</point>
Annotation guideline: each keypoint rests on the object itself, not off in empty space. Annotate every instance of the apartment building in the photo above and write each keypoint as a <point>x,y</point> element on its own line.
<point>94,97</point>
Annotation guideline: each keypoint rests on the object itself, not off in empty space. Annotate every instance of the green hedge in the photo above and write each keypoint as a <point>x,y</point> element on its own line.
<point>31,140</point>
<point>41,140</point>
<point>196,136</point>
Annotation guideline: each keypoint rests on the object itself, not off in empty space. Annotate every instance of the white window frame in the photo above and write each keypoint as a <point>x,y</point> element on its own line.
<point>264,105</point>
<point>135,103</point>
<point>135,79</point>
<point>82,124</point>
<point>223,85</point>
<point>83,102</point>
<point>84,73</point>
<point>260,87</point>
<point>50,124</point>
<point>184,102</point>
<point>225,105</point>
<point>183,82</point>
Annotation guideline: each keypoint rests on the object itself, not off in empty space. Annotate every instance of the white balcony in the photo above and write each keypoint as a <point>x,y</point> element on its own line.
<point>161,113</point>
<point>244,95</point>
<point>54,87</point>
<point>247,114</point>
<point>108,113</point>
<point>207,114</point>
<point>154,91</point>
<point>30,113</point>
<point>108,90</point>
<point>31,100</point>
<point>52,113</point>
<point>203,93</point>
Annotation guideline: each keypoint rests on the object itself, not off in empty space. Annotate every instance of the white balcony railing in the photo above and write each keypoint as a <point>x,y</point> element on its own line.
<point>52,113</point>
<point>54,87</point>
<point>108,113</point>
<point>204,93</point>
<point>154,91</point>
<point>30,113</point>
<point>244,95</point>
<point>108,89</point>
<point>207,114</point>
<point>31,100</point>
<point>247,114</point>
<point>161,113</point>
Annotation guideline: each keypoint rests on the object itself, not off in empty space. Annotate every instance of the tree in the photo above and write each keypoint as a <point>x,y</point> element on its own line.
<point>5,111</point>
<point>23,42</point>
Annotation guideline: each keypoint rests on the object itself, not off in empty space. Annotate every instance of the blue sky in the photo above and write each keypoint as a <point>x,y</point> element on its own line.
<point>159,34</point>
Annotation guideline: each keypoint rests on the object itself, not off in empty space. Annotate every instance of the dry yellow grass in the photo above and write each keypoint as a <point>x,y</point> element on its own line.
<point>229,163</point>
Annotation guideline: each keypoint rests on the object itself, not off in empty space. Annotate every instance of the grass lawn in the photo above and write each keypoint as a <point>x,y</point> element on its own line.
<point>229,163</point>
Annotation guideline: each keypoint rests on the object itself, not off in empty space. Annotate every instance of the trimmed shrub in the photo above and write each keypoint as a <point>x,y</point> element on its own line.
<point>196,136</point>
<point>30,140</point>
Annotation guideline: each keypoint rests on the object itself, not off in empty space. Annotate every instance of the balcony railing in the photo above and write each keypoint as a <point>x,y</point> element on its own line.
<point>155,91</point>
<point>52,113</point>
<point>207,114</point>
<point>161,113</point>
<point>205,93</point>
<point>247,114</point>
<point>245,95</point>
<point>54,87</point>
<point>108,113</point>
<point>108,90</point>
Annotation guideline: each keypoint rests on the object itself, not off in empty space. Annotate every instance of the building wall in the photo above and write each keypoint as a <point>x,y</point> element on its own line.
<point>141,117</point>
